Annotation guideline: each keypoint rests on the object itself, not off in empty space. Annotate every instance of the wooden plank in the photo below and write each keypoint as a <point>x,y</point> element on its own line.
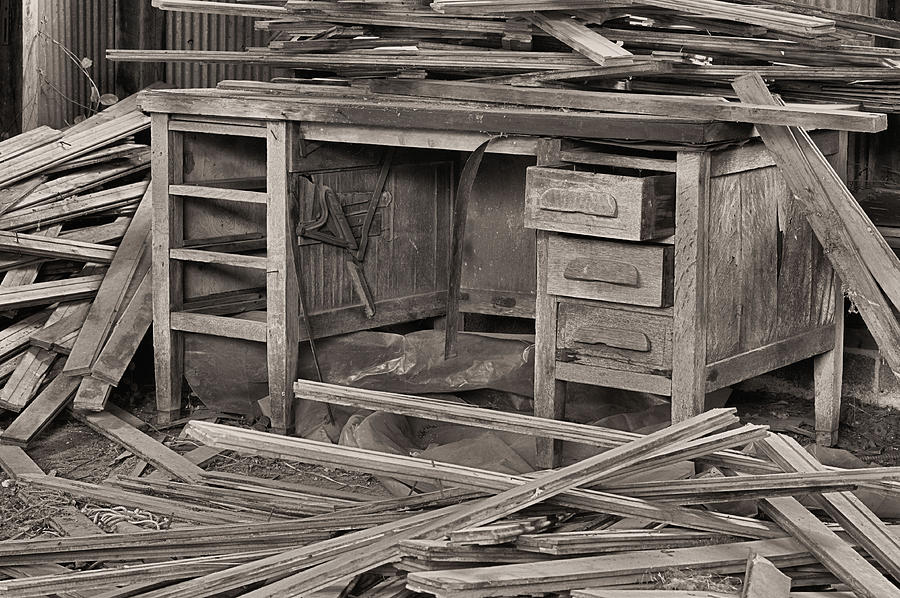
<point>40,412</point>
<point>73,207</point>
<point>436,409</point>
<point>259,443</point>
<point>168,290</point>
<point>759,248</point>
<point>844,507</point>
<point>580,38</point>
<point>111,296</point>
<point>201,192</point>
<point>828,548</point>
<point>50,334</point>
<point>645,104</point>
<point>142,445</point>
<point>217,257</point>
<point>27,378</point>
<point>28,140</point>
<point>492,508</point>
<point>689,334</point>
<point>16,336</point>
<point>43,246</point>
<point>282,284</point>
<point>126,336</point>
<point>248,330</point>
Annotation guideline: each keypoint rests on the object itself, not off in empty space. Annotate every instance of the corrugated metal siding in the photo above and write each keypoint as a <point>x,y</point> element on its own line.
<point>187,31</point>
<point>85,28</point>
<point>860,7</point>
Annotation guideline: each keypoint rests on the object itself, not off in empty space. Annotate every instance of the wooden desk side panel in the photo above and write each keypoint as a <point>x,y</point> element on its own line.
<point>768,277</point>
<point>499,255</point>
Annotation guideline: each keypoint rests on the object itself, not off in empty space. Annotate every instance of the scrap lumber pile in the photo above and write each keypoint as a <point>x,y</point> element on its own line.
<point>587,529</point>
<point>690,47</point>
<point>74,225</point>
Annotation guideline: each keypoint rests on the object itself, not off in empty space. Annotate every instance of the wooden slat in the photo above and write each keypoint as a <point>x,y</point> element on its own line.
<point>436,409</point>
<point>419,469</point>
<point>126,336</point>
<point>829,549</point>
<point>40,412</point>
<point>652,105</point>
<point>72,208</point>
<point>44,293</point>
<point>200,191</point>
<point>142,445</point>
<point>217,257</point>
<point>844,507</point>
<point>56,248</point>
<point>249,330</point>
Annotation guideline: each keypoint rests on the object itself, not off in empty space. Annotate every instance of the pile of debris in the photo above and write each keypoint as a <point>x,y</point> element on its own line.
<point>680,47</point>
<point>75,218</point>
<point>592,529</point>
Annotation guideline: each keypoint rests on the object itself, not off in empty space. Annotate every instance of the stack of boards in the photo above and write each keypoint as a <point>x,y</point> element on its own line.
<point>587,530</point>
<point>691,47</point>
<point>75,252</point>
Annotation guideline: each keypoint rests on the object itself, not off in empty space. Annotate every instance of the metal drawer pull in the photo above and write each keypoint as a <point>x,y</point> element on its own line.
<point>616,338</point>
<point>586,201</point>
<point>613,272</point>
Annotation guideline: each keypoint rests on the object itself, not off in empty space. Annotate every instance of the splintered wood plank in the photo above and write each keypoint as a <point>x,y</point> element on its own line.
<point>759,258</point>
<point>838,556</point>
<point>763,580</point>
<point>41,411</point>
<point>112,294</point>
<point>850,512</point>
<point>143,446</point>
<point>725,267</point>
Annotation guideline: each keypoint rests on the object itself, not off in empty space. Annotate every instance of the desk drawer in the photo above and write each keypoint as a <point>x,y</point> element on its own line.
<point>639,274</point>
<point>634,208</point>
<point>594,335</point>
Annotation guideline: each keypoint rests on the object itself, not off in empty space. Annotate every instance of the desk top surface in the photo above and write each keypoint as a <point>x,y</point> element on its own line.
<point>353,106</point>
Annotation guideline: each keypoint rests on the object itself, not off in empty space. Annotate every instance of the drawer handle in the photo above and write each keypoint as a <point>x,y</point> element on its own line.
<point>616,338</point>
<point>589,201</point>
<point>609,271</point>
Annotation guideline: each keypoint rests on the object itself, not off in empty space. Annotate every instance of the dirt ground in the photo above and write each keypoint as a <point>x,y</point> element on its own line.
<point>71,450</point>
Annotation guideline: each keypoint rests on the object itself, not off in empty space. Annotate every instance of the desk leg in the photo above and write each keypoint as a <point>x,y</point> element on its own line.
<point>282,288</point>
<point>689,334</point>
<point>828,374</point>
<point>549,393</point>
<point>168,287</point>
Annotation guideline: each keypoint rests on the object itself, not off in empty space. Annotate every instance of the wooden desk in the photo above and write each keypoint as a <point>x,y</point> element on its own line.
<point>703,347</point>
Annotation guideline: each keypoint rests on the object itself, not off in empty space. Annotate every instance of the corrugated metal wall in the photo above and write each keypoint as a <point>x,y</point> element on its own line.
<point>188,31</point>
<point>860,7</point>
<point>65,33</point>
